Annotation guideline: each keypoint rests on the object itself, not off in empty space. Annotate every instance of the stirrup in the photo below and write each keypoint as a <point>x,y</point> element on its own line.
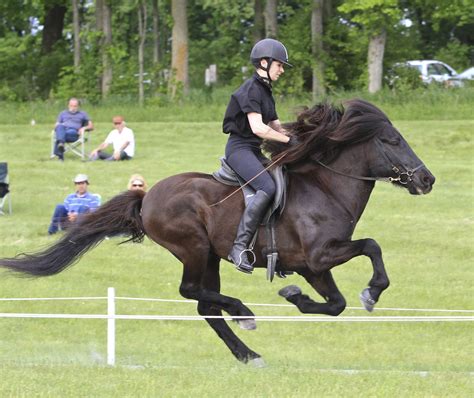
<point>243,268</point>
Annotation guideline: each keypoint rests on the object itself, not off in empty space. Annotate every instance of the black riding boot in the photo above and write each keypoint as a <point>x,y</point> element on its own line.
<point>249,223</point>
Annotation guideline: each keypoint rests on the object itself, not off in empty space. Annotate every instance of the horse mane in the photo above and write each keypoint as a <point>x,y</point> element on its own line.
<point>324,130</point>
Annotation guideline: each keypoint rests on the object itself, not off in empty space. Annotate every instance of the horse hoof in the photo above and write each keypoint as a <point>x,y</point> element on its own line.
<point>257,362</point>
<point>367,301</point>
<point>247,324</point>
<point>289,291</point>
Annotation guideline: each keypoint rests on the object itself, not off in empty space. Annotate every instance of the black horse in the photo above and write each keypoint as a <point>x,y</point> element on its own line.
<point>342,151</point>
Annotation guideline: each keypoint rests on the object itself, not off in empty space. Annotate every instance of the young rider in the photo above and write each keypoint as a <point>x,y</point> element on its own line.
<point>251,118</point>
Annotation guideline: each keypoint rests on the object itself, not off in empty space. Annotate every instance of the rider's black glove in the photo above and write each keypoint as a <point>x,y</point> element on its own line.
<point>293,140</point>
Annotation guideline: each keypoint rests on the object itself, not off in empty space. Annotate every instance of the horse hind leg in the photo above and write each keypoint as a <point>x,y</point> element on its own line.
<point>324,284</point>
<point>206,291</point>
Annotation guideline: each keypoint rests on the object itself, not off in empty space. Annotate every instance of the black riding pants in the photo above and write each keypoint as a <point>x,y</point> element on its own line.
<point>246,160</point>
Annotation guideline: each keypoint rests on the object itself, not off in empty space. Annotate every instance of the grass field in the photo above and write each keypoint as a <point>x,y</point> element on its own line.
<point>427,243</point>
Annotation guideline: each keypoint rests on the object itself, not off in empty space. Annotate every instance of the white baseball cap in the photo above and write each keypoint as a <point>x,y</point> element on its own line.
<point>81,178</point>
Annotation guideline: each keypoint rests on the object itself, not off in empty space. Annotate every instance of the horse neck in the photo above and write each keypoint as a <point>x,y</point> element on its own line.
<point>349,193</point>
<point>353,192</point>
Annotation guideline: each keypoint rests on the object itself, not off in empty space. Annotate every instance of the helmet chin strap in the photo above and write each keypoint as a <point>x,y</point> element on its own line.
<point>267,69</point>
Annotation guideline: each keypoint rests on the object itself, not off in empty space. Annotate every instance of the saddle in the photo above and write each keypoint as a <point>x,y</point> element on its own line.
<point>228,176</point>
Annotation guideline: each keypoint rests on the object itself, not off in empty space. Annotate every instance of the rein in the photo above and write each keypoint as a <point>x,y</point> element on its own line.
<point>403,174</point>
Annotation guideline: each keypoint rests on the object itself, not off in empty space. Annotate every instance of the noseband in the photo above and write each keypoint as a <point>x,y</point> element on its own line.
<point>403,174</point>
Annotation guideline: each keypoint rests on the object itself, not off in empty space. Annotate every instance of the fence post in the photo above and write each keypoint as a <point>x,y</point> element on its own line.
<point>111,326</point>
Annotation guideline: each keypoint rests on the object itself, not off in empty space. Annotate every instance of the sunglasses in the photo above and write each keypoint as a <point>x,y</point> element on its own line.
<point>116,123</point>
<point>137,185</point>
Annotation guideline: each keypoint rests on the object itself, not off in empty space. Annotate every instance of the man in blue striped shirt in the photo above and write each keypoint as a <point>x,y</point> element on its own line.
<point>75,204</point>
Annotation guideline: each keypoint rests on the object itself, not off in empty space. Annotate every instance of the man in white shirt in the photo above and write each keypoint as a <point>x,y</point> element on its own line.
<point>122,140</point>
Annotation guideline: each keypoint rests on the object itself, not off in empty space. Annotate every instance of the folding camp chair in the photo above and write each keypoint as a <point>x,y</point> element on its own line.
<point>5,195</point>
<point>77,147</point>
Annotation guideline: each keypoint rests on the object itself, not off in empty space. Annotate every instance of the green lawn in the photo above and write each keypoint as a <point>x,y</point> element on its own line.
<point>427,243</point>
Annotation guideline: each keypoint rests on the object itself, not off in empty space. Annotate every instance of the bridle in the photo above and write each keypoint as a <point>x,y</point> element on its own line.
<point>403,174</point>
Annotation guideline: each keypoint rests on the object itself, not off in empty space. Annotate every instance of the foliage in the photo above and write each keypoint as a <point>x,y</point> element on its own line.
<point>439,22</point>
<point>372,15</point>
<point>404,79</point>
<point>220,32</point>
<point>455,54</point>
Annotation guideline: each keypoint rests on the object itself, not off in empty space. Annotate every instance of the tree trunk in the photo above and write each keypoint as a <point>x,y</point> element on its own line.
<point>179,51</point>
<point>106,43</point>
<point>258,21</point>
<point>271,24</point>
<point>318,89</point>
<point>156,33</point>
<point>76,30</point>
<point>52,27</point>
<point>141,49</point>
<point>99,19</point>
<point>375,60</point>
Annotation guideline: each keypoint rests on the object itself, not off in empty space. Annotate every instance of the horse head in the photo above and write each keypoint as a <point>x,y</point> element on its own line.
<point>324,132</point>
<point>389,155</point>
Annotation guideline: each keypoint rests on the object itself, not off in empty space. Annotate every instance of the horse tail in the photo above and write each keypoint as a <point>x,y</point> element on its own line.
<point>120,216</point>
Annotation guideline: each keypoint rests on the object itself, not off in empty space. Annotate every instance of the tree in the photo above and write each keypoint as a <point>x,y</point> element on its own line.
<point>179,60</point>
<point>374,17</point>
<point>271,25</point>
<point>53,25</point>
<point>105,47</point>
<point>156,32</point>
<point>142,14</point>
<point>258,21</point>
<point>318,89</point>
<point>76,32</point>
<point>375,59</point>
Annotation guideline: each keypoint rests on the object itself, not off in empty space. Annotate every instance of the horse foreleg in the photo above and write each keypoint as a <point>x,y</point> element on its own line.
<point>235,345</point>
<point>333,254</point>
<point>338,252</point>
<point>324,284</point>
<point>211,303</point>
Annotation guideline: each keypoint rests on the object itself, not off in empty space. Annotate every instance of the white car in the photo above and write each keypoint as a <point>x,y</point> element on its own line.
<point>467,74</point>
<point>436,71</point>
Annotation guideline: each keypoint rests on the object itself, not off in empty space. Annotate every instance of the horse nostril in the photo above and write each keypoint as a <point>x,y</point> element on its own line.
<point>428,179</point>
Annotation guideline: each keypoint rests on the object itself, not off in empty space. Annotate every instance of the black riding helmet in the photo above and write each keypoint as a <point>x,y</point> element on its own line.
<point>270,49</point>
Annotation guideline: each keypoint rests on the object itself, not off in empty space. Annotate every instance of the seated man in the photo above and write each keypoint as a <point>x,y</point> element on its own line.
<point>70,125</point>
<point>122,140</point>
<point>75,204</point>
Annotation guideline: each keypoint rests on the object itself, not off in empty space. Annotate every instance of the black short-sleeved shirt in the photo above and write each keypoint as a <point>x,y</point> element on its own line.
<point>254,95</point>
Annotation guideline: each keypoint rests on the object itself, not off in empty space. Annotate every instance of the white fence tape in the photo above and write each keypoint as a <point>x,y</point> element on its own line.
<point>111,315</point>
<point>182,301</point>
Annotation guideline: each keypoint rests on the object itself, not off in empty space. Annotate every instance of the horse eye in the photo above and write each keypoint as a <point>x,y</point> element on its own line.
<point>391,141</point>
